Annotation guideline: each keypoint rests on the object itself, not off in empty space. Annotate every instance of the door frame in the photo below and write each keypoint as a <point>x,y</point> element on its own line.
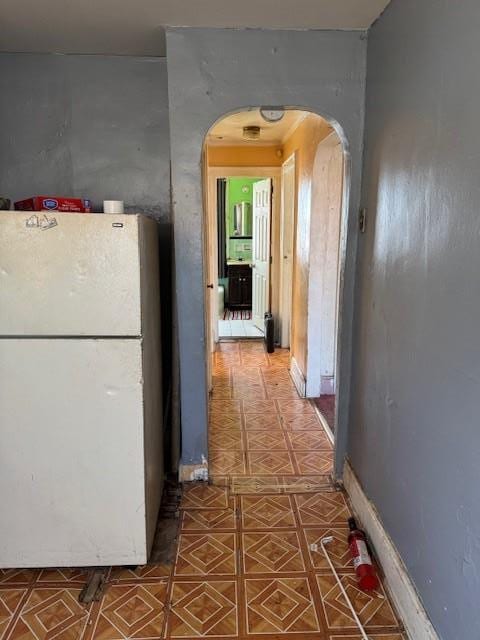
<point>211,248</point>
<point>286,275</point>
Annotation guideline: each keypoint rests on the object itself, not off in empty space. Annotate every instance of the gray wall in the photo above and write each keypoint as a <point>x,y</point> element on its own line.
<point>91,126</point>
<point>415,440</point>
<point>212,72</point>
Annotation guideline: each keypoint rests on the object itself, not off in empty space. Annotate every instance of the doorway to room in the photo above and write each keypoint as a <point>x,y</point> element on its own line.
<point>273,218</point>
<point>243,225</point>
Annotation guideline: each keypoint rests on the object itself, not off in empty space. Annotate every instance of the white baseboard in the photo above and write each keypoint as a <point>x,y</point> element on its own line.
<point>298,377</point>
<point>400,587</point>
<point>325,425</point>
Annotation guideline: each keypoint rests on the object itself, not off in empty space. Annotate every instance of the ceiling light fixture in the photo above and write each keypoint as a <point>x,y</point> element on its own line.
<point>272,114</point>
<point>251,133</point>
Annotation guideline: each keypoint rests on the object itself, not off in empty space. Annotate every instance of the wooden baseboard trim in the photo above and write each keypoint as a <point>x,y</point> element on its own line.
<point>325,425</point>
<point>298,378</point>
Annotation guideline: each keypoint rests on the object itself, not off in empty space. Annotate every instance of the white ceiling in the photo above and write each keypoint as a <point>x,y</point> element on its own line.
<point>136,27</point>
<point>229,131</point>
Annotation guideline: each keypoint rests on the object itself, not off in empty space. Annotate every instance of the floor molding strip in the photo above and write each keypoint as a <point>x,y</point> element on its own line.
<point>402,591</point>
<point>325,425</point>
<point>298,378</point>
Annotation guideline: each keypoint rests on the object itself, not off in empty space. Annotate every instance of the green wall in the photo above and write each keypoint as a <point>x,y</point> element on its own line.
<point>238,190</point>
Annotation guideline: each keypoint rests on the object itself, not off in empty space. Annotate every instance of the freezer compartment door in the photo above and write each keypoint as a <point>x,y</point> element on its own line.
<point>64,274</point>
<point>72,464</point>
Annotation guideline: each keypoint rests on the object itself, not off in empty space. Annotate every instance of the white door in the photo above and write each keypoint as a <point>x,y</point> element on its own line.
<point>262,202</point>
<point>69,274</point>
<point>287,227</point>
<point>72,460</point>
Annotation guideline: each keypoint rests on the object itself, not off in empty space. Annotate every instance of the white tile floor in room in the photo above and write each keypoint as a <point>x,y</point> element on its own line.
<point>238,329</point>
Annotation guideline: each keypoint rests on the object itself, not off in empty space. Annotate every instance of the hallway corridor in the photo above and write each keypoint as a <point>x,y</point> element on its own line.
<point>249,562</point>
<point>259,427</point>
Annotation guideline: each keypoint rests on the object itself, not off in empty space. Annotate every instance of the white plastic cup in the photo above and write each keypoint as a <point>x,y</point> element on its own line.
<point>113,206</point>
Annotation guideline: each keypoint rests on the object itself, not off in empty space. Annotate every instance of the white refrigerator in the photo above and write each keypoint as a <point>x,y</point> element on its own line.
<point>81,457</point>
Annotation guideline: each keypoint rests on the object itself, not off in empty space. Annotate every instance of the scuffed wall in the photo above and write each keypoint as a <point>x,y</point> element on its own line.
<point>212,72</point>
<point>415,438</point>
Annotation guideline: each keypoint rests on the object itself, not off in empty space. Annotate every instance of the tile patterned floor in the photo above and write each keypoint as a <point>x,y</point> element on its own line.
<point>248,564</point>
<point>258,424</point>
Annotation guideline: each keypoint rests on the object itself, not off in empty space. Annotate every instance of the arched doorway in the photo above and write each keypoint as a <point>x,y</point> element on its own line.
<point>302,213</point>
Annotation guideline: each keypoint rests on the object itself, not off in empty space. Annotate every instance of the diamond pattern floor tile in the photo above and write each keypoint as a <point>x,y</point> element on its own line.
<point>10,600</point>
<point>227,440</point>
<point>249,392</point>
<point>300,422</point>
<point>309,441</point>
<point>313,461</point>
<point>63,575</point>
<point>254,406</point>
<point>373,608</point>
<point>225,407</point>
<point>266,440</point>
<point>247,374</point>
<point>226,463</point>
<point>51,613</point>
<point>269,462</point>
<point>145,573</point>
<point>256,422</point>
<point>281,392</point>
<point>203,609</point>
<point>209,554</point>
<point>222,393</point>
<point>17,576</point>
<point>209,520</point>
<point>295,406</point>
<point>338,550</point>
<point>225,421</point>
<point>281,606</point>
<point>132,611</point>
<point>322,509</point>
<point>204,496</point>
<point>268,552</point>
<point>266,512</point>
<point>254,359</point>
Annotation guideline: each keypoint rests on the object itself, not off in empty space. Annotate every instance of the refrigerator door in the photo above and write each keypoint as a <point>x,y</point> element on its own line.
<point>64,274</point>
<point>72,443</point>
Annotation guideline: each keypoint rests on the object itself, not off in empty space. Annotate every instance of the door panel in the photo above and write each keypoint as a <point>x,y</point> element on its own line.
<point>262,197</point>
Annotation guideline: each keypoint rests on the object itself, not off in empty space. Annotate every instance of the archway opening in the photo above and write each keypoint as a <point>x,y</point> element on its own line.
<point>274,189</point>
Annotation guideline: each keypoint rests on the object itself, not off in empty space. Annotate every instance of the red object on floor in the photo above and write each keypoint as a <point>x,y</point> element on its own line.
<point>367,578</point>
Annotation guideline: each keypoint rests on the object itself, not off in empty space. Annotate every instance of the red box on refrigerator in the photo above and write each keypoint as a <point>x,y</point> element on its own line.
<point>54,203</point>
